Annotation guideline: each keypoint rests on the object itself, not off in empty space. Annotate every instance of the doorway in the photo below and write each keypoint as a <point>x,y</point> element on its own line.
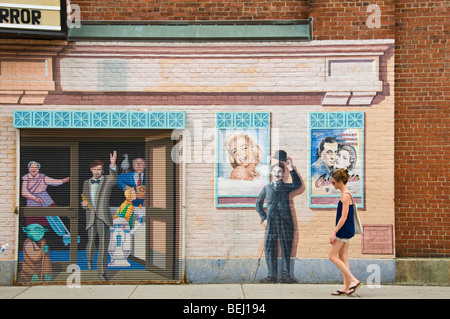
<point>56,240</point>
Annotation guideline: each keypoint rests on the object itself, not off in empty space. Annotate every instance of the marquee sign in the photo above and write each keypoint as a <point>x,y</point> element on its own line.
<point>33,17</point>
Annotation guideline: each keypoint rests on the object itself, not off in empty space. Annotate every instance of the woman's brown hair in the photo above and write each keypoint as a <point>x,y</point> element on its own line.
<point>341,175</point>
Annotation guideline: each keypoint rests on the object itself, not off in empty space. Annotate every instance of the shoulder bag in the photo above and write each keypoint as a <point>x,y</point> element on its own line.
<point>356,220</point>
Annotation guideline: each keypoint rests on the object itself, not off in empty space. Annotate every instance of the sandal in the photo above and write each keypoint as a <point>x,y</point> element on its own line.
<point>338,293</point>
<point>353,288</point>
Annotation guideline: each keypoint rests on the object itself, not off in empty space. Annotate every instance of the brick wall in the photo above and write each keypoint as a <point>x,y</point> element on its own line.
<point>347,20</point>
<point>97,10</point>
<point>422,123</point>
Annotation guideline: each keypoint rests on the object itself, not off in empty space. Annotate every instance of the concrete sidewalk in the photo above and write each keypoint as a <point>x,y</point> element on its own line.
<point>221,291</point>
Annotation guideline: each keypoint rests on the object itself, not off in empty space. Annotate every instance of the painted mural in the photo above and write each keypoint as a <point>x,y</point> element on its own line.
<point>60,224</point>
<point>87,205</point>
<point>336,140</point>
<point>277,220</point>
<point>109,227</point>
<point>242,158</point>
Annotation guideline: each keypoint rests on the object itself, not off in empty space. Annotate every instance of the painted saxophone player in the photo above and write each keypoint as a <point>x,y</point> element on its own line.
<point>278,219</point>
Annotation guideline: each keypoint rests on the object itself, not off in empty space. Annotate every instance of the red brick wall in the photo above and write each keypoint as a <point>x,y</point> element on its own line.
<point>346,20</point>
<point>422,126</point>
<point>158,10</point>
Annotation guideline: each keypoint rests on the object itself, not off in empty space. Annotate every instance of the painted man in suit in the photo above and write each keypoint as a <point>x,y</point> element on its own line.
<point>327,154</point>
<point>135,180</point>
<point>278,221</point>
<point>96,195</point>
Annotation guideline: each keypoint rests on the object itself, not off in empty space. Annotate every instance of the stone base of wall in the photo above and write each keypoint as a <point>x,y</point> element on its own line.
<point>435,272</point>
<point>426,271</point>
<point>7,272</point>
<point>304,270</point>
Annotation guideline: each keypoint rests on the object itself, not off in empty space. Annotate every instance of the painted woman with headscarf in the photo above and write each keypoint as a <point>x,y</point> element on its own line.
<point>34,189</point>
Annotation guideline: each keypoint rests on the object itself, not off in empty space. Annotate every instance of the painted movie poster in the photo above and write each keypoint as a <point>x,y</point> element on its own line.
<point>332,149</point>
<point>242,158</point>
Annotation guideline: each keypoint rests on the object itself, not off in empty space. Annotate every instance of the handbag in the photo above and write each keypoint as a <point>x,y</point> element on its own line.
<point>356,220</point>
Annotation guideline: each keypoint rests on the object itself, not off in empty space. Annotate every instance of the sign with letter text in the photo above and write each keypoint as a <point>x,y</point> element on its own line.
<point>38,18</point>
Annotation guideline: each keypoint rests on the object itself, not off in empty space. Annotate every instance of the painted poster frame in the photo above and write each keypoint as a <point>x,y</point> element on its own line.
<point>348,129</point>
<point>257,126</point>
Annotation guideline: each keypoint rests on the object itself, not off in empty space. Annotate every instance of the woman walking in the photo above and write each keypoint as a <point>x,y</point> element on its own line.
<point>343,231</point>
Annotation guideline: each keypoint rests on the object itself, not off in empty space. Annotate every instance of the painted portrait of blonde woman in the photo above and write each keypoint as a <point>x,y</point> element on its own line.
<point>244,154</point>
<point>241,166</point>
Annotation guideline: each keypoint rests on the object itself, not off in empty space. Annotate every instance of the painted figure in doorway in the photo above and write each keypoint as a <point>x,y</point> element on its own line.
<point>96,196</point>
<point>135,180</point>
<point>34,189</point>
<point>36,266</point>
<point>126,209</point>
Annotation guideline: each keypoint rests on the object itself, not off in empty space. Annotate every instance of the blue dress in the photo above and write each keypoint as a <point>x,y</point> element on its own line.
<point>348,229</point>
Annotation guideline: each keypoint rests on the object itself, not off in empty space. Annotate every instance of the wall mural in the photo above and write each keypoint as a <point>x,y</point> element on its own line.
<point>110,232</point>
<point>277,220</point>
<point>242,157</point>
<point>108,235</point>
<point>336,140</point>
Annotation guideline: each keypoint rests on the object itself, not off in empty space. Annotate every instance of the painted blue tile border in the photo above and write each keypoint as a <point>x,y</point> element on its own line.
<point>242,120</point>
<point>99,119</point>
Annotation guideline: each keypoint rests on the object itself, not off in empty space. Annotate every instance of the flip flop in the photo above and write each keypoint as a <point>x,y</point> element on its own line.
<point>338,293</point>
<point>354,288</point>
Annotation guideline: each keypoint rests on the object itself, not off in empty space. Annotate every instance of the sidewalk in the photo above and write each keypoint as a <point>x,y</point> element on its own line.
<point>221,291</point>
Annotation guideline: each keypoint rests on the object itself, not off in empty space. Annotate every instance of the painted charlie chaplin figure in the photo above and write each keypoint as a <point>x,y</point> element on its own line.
<point>278,219</point>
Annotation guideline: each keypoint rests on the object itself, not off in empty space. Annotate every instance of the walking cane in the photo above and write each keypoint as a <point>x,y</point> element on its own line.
<point>261,252</point>
<point>259,261</point>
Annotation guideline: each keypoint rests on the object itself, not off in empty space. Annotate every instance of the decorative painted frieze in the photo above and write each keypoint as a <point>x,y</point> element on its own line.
<point>99,119</point>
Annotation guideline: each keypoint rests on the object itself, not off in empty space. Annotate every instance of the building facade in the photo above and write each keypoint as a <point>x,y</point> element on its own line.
<point>183,108</point>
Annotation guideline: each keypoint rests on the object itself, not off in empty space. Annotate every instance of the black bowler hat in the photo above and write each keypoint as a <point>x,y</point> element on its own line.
<point>280,155</point>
